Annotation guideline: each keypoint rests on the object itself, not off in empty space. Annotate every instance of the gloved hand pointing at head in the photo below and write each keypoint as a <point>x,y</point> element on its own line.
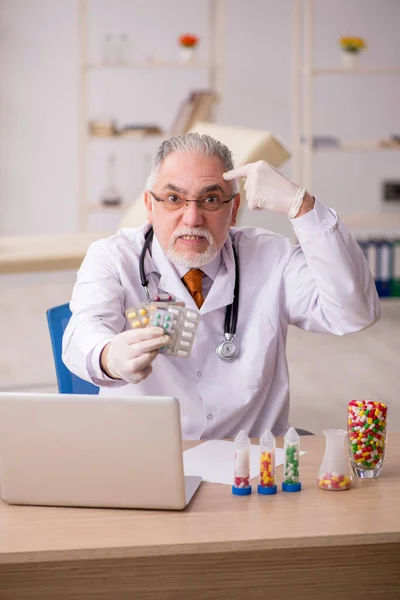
<point>129,355</point>
<point>268,189</point>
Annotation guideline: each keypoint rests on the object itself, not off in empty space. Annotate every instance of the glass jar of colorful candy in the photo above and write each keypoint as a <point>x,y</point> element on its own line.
<point>367,425</point>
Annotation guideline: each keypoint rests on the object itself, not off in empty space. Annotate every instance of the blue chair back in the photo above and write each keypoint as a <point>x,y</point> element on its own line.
<point>68,383</point>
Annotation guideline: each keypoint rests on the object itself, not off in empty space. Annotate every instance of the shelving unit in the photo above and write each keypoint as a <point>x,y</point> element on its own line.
<point>214,70</point>
<point>304,73</point>
<point>378,234</point>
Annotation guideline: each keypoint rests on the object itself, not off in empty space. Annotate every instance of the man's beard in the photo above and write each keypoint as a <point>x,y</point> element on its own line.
<point>192,259</point>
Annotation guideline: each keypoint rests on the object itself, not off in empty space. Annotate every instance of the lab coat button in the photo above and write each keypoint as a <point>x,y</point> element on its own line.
<point>209,416</point>
<point>199,373</point>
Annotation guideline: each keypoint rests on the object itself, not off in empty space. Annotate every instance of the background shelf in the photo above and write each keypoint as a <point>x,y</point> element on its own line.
<point>153,65</point>
<point>354,146</point>
<point>355,71</point>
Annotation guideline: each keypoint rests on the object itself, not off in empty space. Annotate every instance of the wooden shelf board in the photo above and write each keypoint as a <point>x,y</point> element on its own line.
<point>355,146</point>
<point>152,65</point>
<point>91,208</point>
<point>356,71</point>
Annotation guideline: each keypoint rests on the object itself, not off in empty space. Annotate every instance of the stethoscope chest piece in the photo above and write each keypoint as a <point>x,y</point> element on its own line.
<point>228,350</point>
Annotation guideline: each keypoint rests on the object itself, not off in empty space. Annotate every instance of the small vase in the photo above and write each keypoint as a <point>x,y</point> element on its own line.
<point>187,54</point>
<point>334,472</point>
<point>349,60</point>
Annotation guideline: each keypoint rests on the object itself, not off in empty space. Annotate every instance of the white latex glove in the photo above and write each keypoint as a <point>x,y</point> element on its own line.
<point>268,189</point>
<point>129,355</point>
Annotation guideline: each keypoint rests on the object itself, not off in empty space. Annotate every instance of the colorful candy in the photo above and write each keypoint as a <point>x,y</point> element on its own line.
<point>241,481</point>
<point>291,478</point>
<point>367,421</point>
<point>266,484</point>
<point>334,482</point>
<point>334,472</point>
<point>267,474</point>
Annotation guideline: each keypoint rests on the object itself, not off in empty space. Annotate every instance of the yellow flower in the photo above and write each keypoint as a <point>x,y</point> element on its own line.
<point>352,44</point>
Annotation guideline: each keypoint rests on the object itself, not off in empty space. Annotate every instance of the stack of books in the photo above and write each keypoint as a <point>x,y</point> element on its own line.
<point>382,251</point>
<point>108,128</point>
<point>103,128</point>
<point>139,130</point>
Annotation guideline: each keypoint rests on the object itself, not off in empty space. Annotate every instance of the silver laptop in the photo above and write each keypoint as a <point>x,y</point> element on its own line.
<point>84,450</point>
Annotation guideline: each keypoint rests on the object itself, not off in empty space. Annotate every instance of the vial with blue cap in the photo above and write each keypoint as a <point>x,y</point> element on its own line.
<point>291,477</point>
<point>241,483</point>
<point>266,484</point>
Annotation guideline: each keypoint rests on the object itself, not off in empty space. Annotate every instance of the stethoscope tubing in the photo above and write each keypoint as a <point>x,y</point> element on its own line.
<point>232,310</point>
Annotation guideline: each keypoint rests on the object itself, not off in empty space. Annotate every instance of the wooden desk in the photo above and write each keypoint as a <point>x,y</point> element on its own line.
<point>25,254</point>
<point>310,545</point>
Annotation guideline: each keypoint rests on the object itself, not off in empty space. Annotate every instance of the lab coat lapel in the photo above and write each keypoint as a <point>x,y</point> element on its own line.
<point>221,292</point>
<point>171,283</point>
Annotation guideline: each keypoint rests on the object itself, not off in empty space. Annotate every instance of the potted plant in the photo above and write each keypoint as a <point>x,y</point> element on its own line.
<point>188,43</point>
<point>351,48</point>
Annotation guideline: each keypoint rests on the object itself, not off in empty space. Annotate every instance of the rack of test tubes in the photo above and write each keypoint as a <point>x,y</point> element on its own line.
<point>179,322</point>
<point>266,485</point>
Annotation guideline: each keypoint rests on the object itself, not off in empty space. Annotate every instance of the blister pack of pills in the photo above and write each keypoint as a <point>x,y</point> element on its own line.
<point>179,322</point>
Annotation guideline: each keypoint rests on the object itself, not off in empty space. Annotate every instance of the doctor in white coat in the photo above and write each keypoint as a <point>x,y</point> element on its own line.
<point>323,284</point>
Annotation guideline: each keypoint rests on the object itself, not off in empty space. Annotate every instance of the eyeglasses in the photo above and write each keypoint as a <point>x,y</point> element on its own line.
<point>210,203</point>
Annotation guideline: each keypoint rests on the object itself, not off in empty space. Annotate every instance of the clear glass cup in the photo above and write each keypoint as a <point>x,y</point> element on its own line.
<point>367,427</point>
<point>334,472</point>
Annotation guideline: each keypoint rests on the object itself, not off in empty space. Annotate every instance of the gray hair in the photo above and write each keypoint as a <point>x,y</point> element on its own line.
<point>195,143</point>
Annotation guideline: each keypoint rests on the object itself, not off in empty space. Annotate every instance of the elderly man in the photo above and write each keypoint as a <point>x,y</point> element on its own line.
<point>321,285</point>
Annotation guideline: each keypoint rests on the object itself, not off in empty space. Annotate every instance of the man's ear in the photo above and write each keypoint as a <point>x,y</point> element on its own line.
<point>148,200</point>
<point>236,204</point>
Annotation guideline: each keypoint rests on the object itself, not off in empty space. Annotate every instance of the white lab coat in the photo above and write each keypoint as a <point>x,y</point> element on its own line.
<point>321,285</point>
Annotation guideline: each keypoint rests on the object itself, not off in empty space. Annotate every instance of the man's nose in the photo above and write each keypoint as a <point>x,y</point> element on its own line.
<point>192,215</point>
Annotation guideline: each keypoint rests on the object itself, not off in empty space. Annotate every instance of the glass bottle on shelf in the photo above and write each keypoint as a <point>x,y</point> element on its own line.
<point>108,49</point>
<point>111,195</point>
<point>123,49</point>
<point>334,472</point>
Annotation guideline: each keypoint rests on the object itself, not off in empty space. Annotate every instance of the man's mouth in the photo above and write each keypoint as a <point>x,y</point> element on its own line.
<point>191,237</point>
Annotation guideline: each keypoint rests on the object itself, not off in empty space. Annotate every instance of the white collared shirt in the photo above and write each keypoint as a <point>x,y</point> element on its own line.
<point>323,284</point>
<point>210,271</point>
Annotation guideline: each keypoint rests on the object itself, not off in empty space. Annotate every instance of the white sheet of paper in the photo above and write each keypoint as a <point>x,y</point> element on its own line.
<point>214,461</point>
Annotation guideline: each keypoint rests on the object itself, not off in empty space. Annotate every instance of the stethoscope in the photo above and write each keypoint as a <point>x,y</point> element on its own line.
<point>228,349</point>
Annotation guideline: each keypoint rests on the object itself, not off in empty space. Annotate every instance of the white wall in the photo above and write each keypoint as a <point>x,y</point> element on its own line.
<point>38,116</point>
<point>39,96</point>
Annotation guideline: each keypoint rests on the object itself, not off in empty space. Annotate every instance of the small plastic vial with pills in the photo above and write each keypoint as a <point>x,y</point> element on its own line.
<point>291,477</point>
<point>179,322</point>
<point>241,482</point>
<point>266,485</point>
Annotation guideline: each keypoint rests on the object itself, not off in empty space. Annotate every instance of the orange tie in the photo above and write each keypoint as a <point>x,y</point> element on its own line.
<point>194,283</point>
